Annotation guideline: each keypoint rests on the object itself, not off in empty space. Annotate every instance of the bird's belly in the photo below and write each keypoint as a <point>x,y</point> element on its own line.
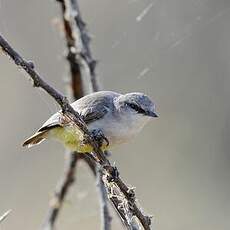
<point>73,139</point>
<point>115,132</point>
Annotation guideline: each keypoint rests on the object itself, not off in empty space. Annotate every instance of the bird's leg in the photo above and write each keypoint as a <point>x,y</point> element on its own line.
<point>99,137</point>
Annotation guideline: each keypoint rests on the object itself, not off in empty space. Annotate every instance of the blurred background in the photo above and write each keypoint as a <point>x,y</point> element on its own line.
<point>177,52</point>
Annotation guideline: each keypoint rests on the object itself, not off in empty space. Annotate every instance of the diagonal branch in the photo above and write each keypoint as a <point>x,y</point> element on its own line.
<point>60,99</point>
<point>121,196</point>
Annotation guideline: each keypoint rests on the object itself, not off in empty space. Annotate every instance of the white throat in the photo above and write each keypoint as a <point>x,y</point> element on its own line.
<point>125,128</point>
<point>133,123</point>
<point>122,128</point>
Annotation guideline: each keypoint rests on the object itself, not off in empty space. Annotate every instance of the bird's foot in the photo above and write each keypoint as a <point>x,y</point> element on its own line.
<point>99,137</point>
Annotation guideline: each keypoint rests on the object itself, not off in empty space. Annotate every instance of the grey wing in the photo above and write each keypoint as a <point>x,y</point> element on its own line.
<point>93,113</point>
<point>91,107</point>
<point>95,106</point>
<point>88,113</point>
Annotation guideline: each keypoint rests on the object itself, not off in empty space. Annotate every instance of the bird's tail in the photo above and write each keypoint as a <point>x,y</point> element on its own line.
<point>36,139</point>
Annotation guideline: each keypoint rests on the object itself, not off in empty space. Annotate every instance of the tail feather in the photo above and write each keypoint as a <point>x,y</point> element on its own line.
<point>36,139</point>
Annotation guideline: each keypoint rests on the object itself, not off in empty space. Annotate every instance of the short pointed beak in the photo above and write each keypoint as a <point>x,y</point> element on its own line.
<point>151,114</point>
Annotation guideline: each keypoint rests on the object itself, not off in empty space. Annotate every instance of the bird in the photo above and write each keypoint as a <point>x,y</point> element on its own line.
<point>115,117</point>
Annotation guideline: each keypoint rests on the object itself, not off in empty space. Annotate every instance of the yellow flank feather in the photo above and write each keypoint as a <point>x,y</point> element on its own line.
<point>72,138</point>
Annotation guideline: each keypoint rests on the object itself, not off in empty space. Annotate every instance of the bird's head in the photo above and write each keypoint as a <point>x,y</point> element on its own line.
<point>136,104</point>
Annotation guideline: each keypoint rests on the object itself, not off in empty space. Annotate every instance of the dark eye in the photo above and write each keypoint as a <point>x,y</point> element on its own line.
<point>133,106</point>
<point>136,108</point>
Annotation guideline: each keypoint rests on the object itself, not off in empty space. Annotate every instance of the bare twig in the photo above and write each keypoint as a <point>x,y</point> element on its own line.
<point>122,197</point>
<point>105,215</point>
<point>78,42</point>
<point>67,109</point>
<point>79,54</point>
<point>61,190</point>
<point>3,217</point>
<point>81,63</point>
<point>83,38</point>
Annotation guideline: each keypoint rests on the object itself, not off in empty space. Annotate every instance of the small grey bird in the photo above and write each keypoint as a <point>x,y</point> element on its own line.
<point>119,117</point>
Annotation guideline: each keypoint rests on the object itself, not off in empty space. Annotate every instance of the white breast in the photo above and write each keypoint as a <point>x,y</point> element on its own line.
<point>120,130</point>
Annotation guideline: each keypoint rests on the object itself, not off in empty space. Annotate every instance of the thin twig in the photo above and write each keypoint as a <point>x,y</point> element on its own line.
<point>67,109</point>
<point>61,190</point>
<point>122,197</point>
<point>79,54</point>
<point>83,39</point>
<point>77,42</point>
<point>105,215</point>
<point>72,158</point>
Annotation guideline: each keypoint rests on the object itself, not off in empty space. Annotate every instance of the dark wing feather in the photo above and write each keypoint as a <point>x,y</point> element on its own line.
<point>94,106</point>
<point>89,115</point>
